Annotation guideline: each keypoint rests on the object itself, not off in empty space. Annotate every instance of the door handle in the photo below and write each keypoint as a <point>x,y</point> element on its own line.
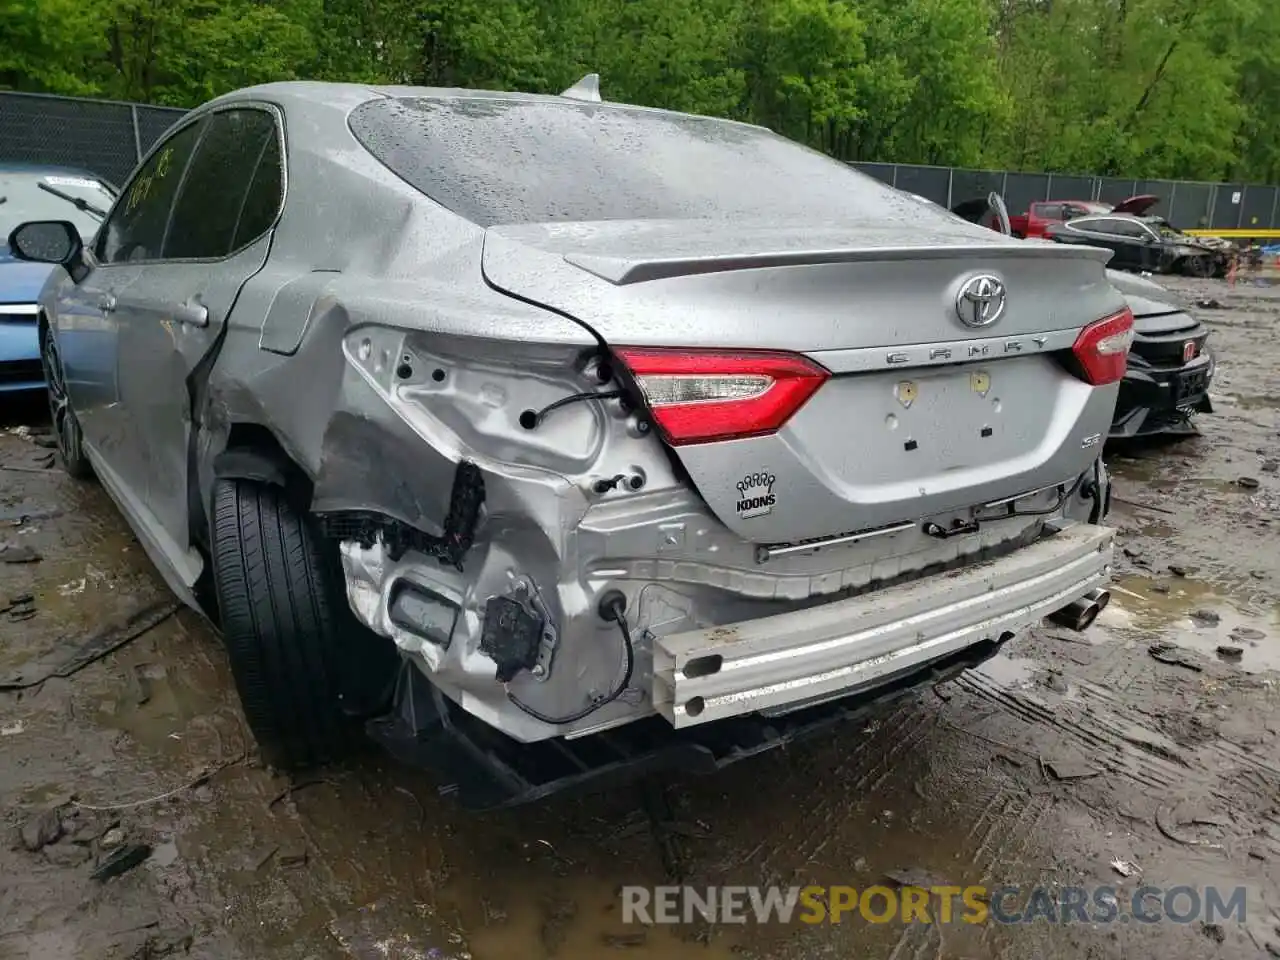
<point>193,312</point>
<point>107,303</point>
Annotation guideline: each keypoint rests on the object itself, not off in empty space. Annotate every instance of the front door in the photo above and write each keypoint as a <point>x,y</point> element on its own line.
<point>88,332</point>
<point>172,317</point>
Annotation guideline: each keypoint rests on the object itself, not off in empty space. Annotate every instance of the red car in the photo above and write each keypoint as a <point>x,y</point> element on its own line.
<point>1043,213</point>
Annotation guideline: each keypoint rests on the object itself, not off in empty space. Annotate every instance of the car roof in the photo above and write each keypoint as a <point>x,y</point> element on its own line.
<point>1112,216</point>
<point>316,95</point>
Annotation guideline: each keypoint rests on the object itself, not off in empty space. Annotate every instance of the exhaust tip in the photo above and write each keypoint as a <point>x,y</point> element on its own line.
<point>1089,615</point>
<point>1101,597</point>
<point>1078,615</point>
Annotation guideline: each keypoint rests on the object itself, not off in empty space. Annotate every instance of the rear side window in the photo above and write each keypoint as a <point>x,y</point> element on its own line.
<point>135,228</point>
<point>262,201</point>
<point>206,217</point>
<point>1125,228</point>
<point>1051,211</point>
<point>514,161</point>
<point>1097,226</point>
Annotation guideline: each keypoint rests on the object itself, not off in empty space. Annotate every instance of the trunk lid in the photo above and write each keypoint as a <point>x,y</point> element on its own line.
<point>922,415</point>
<point>1136,205</point>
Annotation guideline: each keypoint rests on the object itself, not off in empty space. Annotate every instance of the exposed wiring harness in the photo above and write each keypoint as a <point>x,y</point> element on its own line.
<point>613,606</point>
<point>1057,505</point>
<point>541,415</point>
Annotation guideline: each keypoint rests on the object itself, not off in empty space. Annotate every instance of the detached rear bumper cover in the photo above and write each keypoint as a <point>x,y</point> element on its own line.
<point>800,658</point>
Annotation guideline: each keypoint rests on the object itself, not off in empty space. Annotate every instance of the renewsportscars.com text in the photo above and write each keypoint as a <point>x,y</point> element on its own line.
<point>939,904</point>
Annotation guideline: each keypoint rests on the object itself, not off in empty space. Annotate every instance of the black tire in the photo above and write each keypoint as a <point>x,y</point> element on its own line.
<point>1202,267</point>
<point>304,667</point>
<point>62,419</point>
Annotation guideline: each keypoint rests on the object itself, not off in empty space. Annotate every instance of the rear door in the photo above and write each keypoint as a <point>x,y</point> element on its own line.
<point>1135,243</point>
<point>172,317</point>
<point>1106,232</point>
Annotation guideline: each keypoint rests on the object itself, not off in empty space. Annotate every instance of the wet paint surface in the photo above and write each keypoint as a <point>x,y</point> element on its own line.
<point>1173,768</point>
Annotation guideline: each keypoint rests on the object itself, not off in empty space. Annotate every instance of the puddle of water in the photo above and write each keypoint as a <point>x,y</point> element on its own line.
<point>1137,604</point>
<point>176,705</point>
<point>1009,672</point>
<point>1140,470</point>
<point>582,920</point>
<point>1228,488</point>
<point>1157,528</point>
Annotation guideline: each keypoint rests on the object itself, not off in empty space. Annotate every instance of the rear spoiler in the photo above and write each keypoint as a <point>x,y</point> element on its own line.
<point>621,271</point>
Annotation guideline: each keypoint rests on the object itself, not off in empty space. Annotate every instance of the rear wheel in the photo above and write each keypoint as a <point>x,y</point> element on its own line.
<point>304,667</point>
<point>62,419</point>
<point>1200,266</point>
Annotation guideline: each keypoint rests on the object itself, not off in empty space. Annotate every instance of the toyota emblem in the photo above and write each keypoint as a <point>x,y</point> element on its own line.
<point>981,301</point>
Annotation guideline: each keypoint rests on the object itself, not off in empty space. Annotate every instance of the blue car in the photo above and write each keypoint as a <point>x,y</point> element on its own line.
<point>37,192</point>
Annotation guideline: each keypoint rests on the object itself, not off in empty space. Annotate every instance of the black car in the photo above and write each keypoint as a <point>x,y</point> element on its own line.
<point>1143,243</point>
<point>1170,364</point>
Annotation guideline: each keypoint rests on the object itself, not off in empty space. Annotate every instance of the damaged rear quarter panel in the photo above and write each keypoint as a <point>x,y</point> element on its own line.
<point>373,431</point>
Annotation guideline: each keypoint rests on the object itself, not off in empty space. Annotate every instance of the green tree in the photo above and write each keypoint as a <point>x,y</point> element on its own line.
<point>1140,88</point>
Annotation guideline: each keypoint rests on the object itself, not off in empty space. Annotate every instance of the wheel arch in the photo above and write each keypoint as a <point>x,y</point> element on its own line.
<point>253,451</point>
<point>250,452</point>
<point>247,450</point>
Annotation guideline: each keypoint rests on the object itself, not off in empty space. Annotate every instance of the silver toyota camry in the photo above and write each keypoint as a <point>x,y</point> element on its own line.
<point>544,438</point>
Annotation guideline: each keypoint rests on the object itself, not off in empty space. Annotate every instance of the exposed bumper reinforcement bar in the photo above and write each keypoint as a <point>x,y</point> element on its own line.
<point>485,769</point>
<point>838,648</point>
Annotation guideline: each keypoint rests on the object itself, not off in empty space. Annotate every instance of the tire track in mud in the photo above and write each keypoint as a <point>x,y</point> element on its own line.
<point>918,941</point>
<point>874,776</point>
<point>1120,745</point>
<point>873,756</point>
<point>1010,831</point>
<point>1117,737</point>
<point>1239,756</point>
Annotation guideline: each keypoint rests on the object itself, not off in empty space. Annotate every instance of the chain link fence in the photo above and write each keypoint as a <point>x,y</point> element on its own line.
<point>101,136</point>
<point>108,138</point>
<point>1188,205</point>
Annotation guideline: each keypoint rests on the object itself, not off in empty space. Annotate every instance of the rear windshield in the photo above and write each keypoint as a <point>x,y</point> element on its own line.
<point>513,161</point>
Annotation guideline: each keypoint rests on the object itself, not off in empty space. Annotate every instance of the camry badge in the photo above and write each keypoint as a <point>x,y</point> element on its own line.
<point>981,301</point>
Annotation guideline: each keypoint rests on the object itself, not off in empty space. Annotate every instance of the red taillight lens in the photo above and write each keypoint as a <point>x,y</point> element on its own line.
<point>1102,348</point>
<point>698,396</point>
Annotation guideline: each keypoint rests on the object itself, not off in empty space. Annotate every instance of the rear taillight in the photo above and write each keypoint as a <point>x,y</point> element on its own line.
<point>698,396</point>
<point>1102,349</point>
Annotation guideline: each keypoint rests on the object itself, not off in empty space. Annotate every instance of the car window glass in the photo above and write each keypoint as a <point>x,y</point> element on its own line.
<point>1103,226</point>
<point>135,229</point>
<point>512,161</point>
<point>1051,211</point>
<point>203,224</point>
<point>262,202</point>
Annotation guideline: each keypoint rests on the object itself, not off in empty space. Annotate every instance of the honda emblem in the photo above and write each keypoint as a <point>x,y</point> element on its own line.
<point>1188,351</point>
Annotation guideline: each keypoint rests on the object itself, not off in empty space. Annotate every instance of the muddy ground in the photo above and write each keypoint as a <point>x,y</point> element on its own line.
<point>1176,762</point>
